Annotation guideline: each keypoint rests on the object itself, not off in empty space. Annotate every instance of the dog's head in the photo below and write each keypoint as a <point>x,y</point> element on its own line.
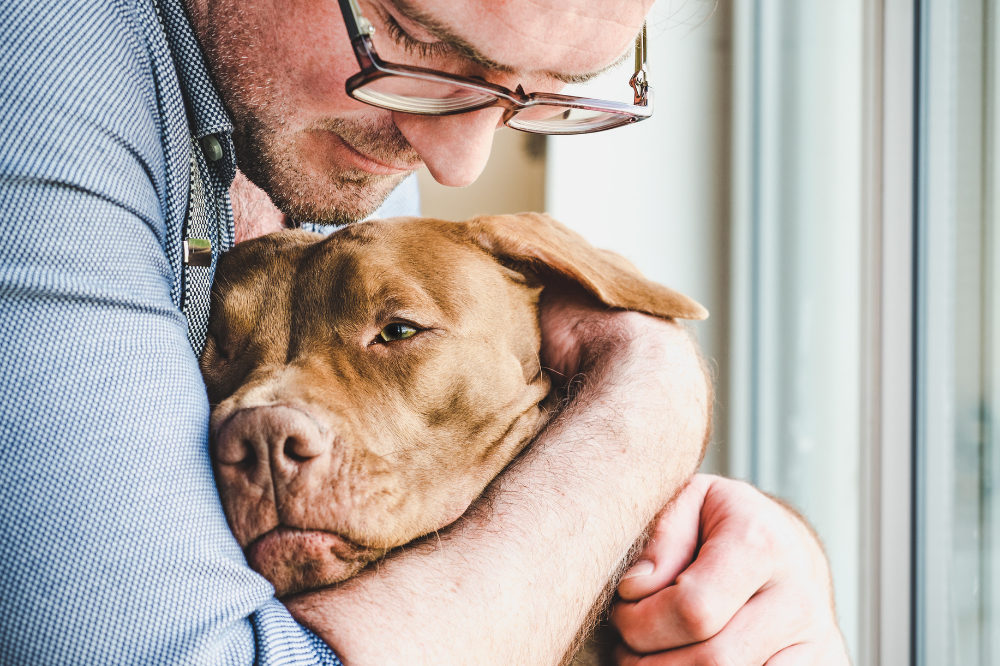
<point>367,386</point>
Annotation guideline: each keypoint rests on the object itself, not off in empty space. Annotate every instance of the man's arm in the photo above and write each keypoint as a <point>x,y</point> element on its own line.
<point>515,579</point>
<point>760,570</point>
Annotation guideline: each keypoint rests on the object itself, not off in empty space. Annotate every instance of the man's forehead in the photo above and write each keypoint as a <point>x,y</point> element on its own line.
<point>567,38</point>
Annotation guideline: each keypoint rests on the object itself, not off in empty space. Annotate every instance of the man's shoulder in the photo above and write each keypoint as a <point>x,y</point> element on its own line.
<point>67,55</point>
<point>86,80</point>
<point>89,99</point>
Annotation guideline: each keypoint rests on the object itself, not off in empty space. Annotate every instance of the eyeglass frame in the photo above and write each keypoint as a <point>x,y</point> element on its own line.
<point>360,29</point>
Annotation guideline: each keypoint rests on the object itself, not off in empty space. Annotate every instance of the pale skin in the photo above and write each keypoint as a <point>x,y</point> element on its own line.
<point>758,592</point>
<point>514,579</point>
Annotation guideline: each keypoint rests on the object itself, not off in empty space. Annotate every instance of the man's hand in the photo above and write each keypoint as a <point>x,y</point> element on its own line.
<point>759,591</point>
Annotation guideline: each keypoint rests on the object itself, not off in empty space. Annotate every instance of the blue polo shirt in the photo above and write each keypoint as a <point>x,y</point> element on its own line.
<point>113,545</point>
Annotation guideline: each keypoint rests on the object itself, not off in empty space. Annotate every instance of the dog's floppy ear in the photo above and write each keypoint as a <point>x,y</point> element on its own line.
<point>538,240</point>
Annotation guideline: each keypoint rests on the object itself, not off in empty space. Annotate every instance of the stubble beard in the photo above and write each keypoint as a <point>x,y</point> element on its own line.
<point>266,146</point>
<point>338,196</point>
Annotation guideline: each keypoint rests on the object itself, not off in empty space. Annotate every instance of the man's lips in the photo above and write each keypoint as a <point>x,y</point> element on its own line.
<point>371,164</point>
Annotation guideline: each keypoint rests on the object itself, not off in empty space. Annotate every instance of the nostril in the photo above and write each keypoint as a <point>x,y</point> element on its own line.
<point>298,450</point>
<point>259,438</point>
<point>249,461</point>
<point>235,451</point>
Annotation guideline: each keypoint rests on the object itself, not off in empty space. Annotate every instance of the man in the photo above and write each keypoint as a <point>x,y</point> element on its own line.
<point>116,147</point>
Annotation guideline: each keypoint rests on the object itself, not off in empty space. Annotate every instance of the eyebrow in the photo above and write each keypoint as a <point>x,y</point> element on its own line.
<point>464,48</point>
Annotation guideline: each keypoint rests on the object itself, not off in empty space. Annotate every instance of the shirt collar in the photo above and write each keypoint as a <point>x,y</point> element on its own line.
<point>206,113</point>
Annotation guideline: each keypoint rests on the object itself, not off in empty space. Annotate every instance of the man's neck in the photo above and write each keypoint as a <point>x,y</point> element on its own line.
<point>253,212</point>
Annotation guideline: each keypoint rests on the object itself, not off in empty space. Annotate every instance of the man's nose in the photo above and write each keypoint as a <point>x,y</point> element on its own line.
<point>454,148</point>
<point>264,445</point>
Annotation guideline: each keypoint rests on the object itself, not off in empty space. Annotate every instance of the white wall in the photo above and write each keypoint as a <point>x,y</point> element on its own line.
<point>512,182</point>
<point>657,192</point>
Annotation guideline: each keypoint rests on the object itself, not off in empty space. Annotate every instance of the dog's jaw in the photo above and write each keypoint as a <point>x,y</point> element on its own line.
<point>297,560</point>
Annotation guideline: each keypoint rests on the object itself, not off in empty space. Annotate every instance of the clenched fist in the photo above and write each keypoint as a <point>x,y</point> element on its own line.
<point>731,577</point>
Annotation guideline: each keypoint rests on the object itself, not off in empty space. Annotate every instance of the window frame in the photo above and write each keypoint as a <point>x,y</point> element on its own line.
<point>890,182</point>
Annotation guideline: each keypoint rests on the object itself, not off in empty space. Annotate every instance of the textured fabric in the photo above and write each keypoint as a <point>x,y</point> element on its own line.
<point>113,544</point>
<point>404,200</point>
<point>209,213</point>
<point>198,279</point>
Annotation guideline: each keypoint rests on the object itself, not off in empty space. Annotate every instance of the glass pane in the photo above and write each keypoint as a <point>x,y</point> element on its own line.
<point>657,191</point>
<point>797,263</point>
<point>958,337</point>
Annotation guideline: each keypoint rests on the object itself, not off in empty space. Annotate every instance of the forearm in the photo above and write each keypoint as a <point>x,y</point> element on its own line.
<point>513,581</point>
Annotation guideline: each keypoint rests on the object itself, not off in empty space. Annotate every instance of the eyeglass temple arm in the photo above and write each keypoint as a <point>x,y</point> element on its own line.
<point>357,24</point>
<point>639,80</point>
<point>359,30</point>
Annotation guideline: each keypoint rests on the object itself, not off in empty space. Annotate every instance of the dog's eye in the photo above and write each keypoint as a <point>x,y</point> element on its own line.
<point>394,332</point>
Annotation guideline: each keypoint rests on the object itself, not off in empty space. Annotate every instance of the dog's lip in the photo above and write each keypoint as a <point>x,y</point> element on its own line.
<point>337,544</point>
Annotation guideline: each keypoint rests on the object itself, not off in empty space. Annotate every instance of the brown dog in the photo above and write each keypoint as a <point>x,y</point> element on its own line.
<point>367,386</point>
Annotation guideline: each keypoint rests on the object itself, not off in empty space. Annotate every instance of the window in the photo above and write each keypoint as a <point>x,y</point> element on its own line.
<point>824,177</point>
<point>957,557</point>
<point>796,287</point>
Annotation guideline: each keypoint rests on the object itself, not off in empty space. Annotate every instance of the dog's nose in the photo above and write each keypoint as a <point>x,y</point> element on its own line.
<point>256,439</point>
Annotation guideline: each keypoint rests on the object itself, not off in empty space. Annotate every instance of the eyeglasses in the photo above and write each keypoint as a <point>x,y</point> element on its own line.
<point>432,93</point>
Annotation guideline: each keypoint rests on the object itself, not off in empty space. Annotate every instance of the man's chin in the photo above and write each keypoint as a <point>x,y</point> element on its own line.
<point>323,188</point>
<point>301,560</point>
<point>353,197</point>
<point>356,199</point>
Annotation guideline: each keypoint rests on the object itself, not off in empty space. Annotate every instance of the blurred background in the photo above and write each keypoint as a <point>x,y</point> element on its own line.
<point>820,174</point>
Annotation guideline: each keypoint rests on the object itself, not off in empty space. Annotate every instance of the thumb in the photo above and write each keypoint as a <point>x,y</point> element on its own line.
<point>673,544</point>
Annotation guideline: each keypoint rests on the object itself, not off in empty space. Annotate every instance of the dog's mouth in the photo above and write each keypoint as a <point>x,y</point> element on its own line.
<point>296,560</point>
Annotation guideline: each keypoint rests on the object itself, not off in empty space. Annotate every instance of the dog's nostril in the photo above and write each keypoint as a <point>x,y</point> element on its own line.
<point>249,460</point>
<point>235,451</point>
<point>298,450</point>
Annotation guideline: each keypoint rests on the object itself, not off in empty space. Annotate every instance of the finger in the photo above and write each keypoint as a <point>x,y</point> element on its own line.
<point>625,657</point>
<point>832,652</point>
<point>756,634</point>
<point>672,546</point>
<point>795,655</point>
<point>805,653</point>
<point>735,563</point>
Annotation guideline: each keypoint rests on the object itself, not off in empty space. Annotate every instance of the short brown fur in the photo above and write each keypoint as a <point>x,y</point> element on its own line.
<point>331,447</point>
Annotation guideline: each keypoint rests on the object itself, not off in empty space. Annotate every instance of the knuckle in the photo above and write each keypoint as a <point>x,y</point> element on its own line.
<point>639,630</point>
<point>763,529</point>
<point>697,617</point>
<point>761,535</point>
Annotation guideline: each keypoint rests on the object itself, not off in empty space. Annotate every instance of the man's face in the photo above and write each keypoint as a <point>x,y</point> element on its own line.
<point>281,66</point>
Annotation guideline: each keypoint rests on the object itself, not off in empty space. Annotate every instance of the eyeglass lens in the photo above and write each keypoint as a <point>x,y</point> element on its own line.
<point>422,96</point>
<point>411,94</point>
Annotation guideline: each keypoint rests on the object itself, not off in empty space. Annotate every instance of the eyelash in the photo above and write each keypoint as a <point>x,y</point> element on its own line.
<point>409,44</point>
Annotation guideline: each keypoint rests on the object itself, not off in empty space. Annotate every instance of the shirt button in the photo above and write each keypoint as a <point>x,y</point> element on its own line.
<point>212,148</point>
